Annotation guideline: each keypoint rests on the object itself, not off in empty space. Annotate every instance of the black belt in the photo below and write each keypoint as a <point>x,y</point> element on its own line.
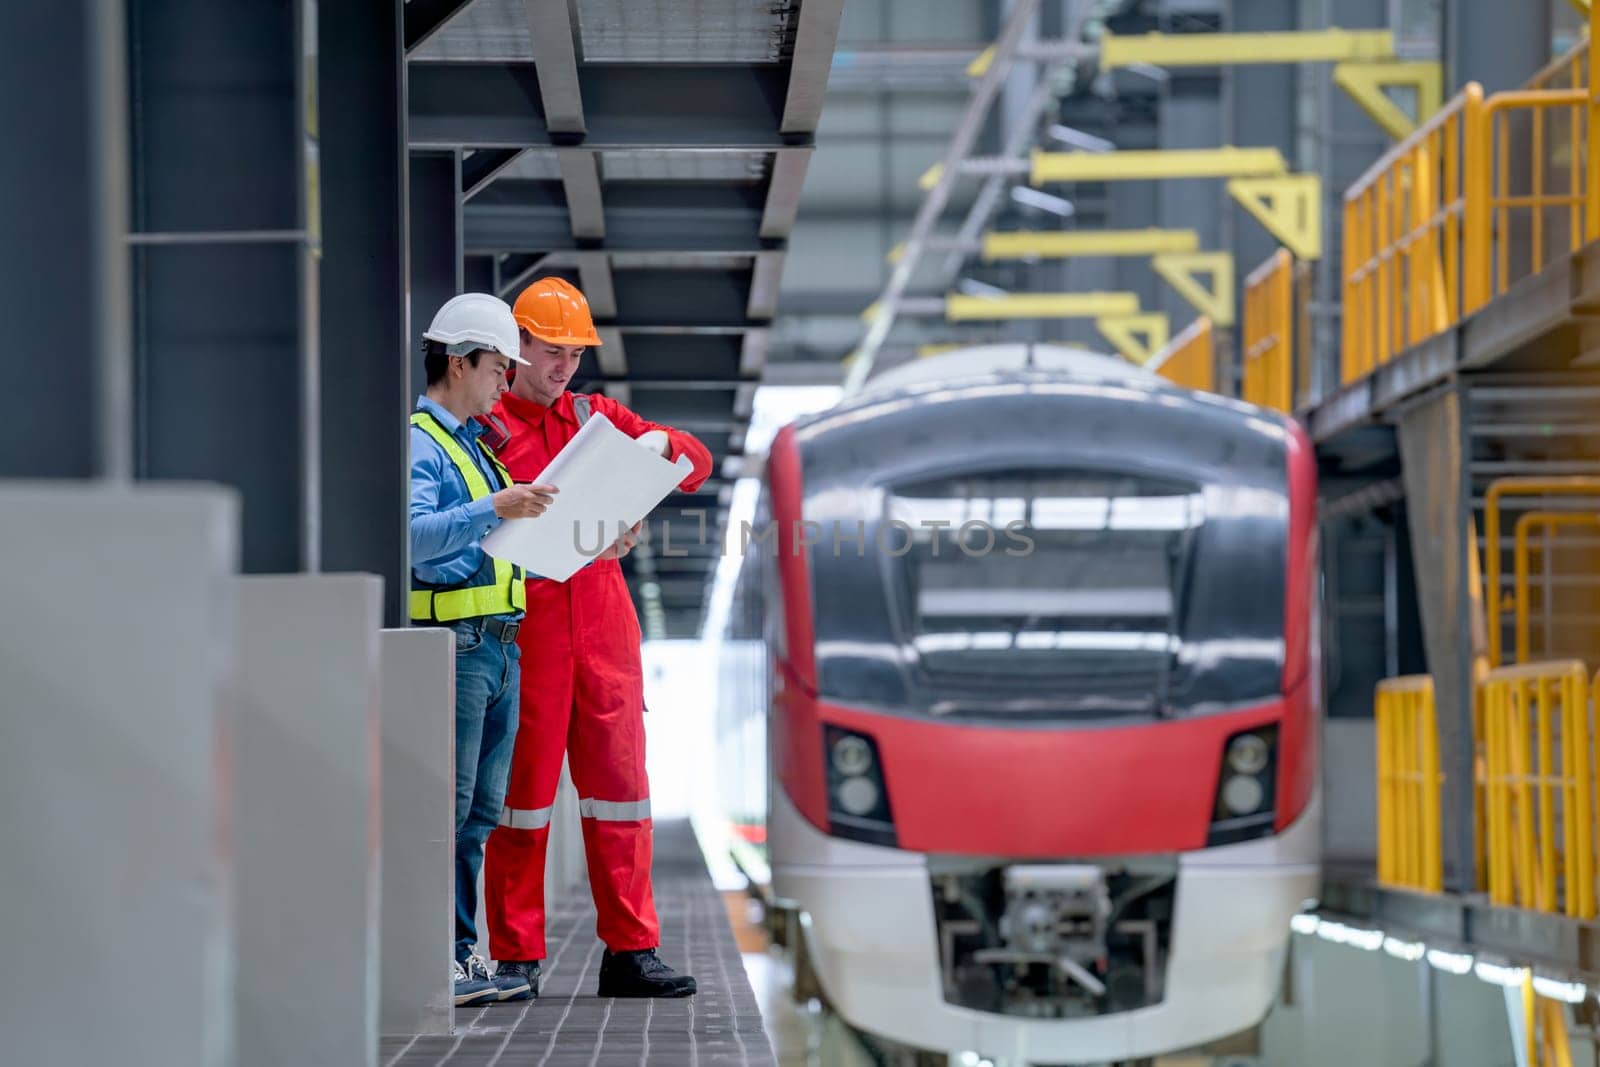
<point>495,625</point>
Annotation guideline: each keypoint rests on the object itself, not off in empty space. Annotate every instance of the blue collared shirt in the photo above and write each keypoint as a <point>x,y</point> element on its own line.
<point>447,525</point>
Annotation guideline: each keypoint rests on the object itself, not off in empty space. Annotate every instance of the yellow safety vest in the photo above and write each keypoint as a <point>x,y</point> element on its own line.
<point>497,588</point>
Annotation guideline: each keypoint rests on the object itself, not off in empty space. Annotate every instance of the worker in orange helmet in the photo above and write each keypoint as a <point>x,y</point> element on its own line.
<point>582,685</point>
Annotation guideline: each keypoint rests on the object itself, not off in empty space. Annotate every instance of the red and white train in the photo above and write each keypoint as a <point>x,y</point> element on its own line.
<point>1039,690</point>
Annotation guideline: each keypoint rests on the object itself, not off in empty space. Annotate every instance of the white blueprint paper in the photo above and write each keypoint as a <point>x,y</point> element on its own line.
<point>604,477</point>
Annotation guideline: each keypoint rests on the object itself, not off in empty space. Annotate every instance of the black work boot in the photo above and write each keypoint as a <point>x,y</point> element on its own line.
<point>517,980</point>
<point>641,974</point>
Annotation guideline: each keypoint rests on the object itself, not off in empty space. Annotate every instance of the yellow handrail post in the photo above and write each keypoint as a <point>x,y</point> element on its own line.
<point>1475,213</point>
<point>1536,720</point>
<point>1409,832</point>
<point>1577,484</point>
<point>1592,229</point>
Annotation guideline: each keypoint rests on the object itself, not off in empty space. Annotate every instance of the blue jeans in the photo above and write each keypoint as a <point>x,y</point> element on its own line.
<point>487,677</point>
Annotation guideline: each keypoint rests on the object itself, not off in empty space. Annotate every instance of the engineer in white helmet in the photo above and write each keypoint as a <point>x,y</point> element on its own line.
<point>459,492</point>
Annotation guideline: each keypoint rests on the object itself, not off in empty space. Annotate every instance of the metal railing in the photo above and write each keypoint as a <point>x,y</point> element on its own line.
<point>1409,851</point>
<point>1581,486</point>
<point>1537,193</point>
<point>1269,333</point>
<point>1488,191</point>
<point>1415,246</point>
<point>1540,833</point>
<point>1189,359</point>
<point>1521,557</point>
<point>1568,71</point>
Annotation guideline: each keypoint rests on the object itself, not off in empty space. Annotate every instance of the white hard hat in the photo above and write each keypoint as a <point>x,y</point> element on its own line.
<point>476,320</point>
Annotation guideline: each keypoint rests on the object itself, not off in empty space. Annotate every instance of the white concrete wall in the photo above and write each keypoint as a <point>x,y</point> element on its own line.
<point>1350,1006</point>
<point>308,794</point>
<point>116,858</point>
<point>419,793</point>
<point>1350,790</point>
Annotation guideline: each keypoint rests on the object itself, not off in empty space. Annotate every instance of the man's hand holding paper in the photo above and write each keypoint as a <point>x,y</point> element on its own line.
<point>607,482</point>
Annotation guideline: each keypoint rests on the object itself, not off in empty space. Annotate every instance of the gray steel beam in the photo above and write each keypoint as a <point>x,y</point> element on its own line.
<point>1434,450</point>
<point>434,252</point>
<point>679,357</point>
<point>477,274</point>
<point>48,222</point>
<point>555,56</point>
<point>765,279</point>
<point>517,215</point>
<point>424,18</point>
<point>1261,112</point>
<point>226,350</point>
<point>783,191</point>
<point>482,167</point>
<point>815,39</point>
<point>753,353</point>
<point>365,481</point>
<point>515,271</point>
<point>580,186</point>
<point>1497,45</point>
<point>498,105</point>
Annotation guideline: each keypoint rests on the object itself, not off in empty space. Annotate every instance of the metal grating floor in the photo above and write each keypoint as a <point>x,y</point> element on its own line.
<point>568,1025</point>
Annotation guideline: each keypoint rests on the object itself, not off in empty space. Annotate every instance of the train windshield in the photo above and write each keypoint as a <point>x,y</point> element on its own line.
<point>1055,585</point>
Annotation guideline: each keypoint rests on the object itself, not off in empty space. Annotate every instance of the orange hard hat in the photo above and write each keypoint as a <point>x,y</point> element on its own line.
<point>556,313</point>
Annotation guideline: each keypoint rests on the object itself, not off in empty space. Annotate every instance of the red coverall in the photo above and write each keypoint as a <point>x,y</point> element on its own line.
<point>582,695</point>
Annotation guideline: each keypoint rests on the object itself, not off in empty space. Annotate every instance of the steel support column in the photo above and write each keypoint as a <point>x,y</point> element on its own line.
<point>1191,117</point>
<point>434,252</point>
<point>226,358</point>
<point>1497,45</point>
<point>1261,112</point>
<point>1434,447</point>
<point>365,470</point>
<point>1340,141</point>
<point>47,226</point>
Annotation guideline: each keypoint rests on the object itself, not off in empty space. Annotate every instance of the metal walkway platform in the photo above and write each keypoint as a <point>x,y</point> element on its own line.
<point>569,1025</point>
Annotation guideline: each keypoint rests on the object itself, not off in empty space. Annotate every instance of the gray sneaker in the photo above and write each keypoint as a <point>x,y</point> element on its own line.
<point>517,979</point>
<point>470,988</point>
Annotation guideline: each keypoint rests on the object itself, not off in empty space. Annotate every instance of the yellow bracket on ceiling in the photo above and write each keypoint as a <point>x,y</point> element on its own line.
<point>1064,244</point>
<point>870,313</point>
<point>1138,337</point>
<point>980,65</point>
<point>958,307</point>
<point>1233,49</point>
<point>1290,207</point>
<point>1190,272</point>
<point>930,177</point>
<point>924,351</point>
<point>1367,82</point>
<point>1154,164</point>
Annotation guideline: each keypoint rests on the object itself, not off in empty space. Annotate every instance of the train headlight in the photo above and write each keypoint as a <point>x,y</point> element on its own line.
<point>852,755</point>
<point>1246,785</point>
<point>858,802</point>
<point>1248,754</point>
<point>1242,794</point>
<point>858,796</point>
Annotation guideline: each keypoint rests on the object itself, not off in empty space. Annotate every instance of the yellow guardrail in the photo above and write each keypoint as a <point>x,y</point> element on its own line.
<point>1568,71</point>
<point>1487,191</point>
<point>1189,359</point>
<point>1521,554</point>
<point>1269,328</point>
<point>1409,850</point>
<point>1538,206</point>
<point>1569,485</point>
<point>1414,246</point>
<point>1540,834</point>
